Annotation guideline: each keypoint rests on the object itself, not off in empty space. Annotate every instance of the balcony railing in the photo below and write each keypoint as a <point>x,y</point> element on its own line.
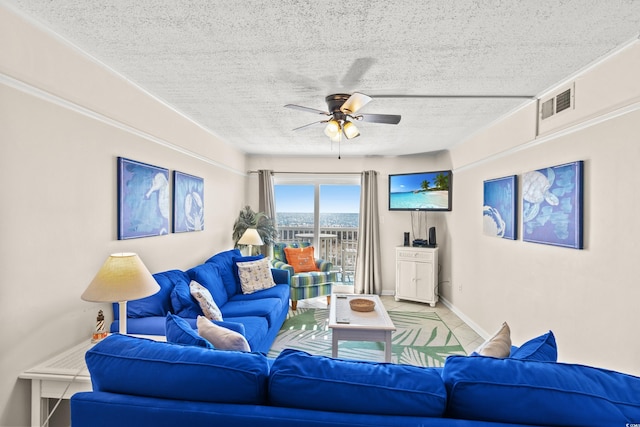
<point>337,245</point>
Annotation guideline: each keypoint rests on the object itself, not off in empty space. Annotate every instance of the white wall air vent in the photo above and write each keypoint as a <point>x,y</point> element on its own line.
<point>557,103</point>
<point>563,101</point>
<point>547,109</point>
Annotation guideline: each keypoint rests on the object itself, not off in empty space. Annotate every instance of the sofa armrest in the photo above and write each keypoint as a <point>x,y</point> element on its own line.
<point>281,276</point>
<point>234,326</point>
<point>282,266</point>
<point>324,266</point>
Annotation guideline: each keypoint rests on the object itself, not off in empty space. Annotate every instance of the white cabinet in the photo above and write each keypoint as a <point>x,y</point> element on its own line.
<point>417,274</point>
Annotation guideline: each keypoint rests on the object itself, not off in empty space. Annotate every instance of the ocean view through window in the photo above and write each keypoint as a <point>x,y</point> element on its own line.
<point>325,215</point>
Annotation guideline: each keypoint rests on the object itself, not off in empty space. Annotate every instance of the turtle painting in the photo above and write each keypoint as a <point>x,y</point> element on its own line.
<point>552,205</point>
<point>535,190</point>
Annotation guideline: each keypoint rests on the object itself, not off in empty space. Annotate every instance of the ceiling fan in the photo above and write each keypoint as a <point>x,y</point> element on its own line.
<point>342,115</point>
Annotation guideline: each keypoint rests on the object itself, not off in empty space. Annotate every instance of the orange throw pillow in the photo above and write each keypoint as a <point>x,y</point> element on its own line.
<point>301,259</point>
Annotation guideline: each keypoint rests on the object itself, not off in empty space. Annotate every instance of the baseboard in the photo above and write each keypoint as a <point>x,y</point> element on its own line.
<point>484,334</point>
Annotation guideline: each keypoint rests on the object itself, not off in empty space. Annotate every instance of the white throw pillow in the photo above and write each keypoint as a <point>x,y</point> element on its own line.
<point>221,338</point>
<point>255,275</point>
<point>499,345</point>
<point>204,298</point>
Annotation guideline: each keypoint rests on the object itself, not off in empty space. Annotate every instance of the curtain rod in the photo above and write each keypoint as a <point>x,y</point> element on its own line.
<point>313,173</point>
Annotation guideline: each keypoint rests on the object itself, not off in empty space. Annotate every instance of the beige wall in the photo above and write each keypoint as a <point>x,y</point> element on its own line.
<point>587,297</point>
<point>64,120</point>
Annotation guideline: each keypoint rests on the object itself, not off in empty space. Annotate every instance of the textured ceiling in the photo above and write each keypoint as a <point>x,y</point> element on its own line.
<point>232,65</point>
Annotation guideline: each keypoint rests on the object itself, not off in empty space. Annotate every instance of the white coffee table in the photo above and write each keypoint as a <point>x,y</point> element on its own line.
<point>350,325</point>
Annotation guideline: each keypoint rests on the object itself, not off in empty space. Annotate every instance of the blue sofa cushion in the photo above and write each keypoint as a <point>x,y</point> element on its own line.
<point>300,380</point>
<point>130,365</point>
<point>236,276</point>
<point>278,291</point>
<point>542,348</point>
<point>158,304</point>
<point>209,275</point>
<point>224,261</point>
<point>539,393</point>
<point>179,331</point>
<point>183,304</point>
<point>269,308</point>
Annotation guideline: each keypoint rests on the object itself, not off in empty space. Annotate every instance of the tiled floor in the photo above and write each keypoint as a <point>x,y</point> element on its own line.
<point>469,339</point>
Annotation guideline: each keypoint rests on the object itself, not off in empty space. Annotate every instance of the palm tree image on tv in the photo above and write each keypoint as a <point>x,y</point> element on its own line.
<point>429,191</point>
<point>442,184</point>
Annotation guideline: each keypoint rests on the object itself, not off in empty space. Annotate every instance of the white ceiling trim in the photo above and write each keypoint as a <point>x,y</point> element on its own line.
<point>623,111</point>
<point>71,106</point>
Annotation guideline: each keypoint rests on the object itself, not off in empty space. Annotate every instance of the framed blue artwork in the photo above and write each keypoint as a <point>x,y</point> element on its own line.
<point>188,203</point>
<point>499,217</point>
<point>552,205</point>
<point>143,200</point>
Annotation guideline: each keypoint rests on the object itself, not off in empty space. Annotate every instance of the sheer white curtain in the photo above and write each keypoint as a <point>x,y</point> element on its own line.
<point>368,274</point>
<point>266,200</point>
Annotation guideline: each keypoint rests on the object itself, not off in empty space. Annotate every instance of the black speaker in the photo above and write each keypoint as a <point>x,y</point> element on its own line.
<point>432,237</point>
<point>406,239</point>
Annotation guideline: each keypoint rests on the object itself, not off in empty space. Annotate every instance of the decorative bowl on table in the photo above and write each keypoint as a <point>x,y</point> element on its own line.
<point>362,304</point>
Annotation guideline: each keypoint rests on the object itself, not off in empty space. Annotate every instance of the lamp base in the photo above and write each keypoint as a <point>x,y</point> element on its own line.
<point>122,324</point>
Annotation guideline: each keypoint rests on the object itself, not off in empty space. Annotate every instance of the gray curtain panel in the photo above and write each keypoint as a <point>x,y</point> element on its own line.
<point>368,279</point>
<point>266,201</point>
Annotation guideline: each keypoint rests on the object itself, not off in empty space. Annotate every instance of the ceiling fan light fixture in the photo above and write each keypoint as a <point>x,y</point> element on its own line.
<point>332,129</point>
<point>350,130</point>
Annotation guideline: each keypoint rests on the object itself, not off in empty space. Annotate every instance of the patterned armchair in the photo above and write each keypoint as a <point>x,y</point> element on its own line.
<point>308,284</point>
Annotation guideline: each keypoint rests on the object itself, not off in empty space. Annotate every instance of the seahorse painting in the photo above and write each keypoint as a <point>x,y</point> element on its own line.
<point>143,200</point>
<point>161,185</point>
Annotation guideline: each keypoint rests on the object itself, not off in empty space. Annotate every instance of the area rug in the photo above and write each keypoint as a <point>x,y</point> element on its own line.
<point>420,339</point>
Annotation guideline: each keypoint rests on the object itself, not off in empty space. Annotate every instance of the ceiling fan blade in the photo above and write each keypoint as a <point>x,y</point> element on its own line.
<point>307,109</point>
<point>450,96</point>
<point>310,124</point>
<point>354,103</point>
<point>389,119</point>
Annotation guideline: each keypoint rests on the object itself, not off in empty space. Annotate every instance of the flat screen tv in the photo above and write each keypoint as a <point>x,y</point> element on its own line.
<point>420,191</point>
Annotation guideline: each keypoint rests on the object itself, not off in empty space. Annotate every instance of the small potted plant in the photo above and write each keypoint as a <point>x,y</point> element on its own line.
<point>265,226</point>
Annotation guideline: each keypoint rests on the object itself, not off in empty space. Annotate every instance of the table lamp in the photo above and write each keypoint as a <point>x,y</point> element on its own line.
<point>250,238</point>
<point>122,277</point>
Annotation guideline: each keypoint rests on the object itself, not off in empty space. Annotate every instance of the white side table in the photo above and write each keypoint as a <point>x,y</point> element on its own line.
<point>50,378</point>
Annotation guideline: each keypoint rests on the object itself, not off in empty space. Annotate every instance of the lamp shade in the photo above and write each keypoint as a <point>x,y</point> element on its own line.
<point>350,130</point>
<point>332,129</point>
<point>251,237</point>
<point>122,277</point>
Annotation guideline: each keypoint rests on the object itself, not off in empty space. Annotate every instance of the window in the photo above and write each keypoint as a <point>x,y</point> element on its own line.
<point>322,210</point>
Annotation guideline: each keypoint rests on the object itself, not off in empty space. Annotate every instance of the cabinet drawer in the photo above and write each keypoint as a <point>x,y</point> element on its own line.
<point>415,255</point>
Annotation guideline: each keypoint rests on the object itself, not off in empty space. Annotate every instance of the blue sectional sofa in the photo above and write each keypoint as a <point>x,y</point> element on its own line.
<point>139,382</point>
<point>258,316</point>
